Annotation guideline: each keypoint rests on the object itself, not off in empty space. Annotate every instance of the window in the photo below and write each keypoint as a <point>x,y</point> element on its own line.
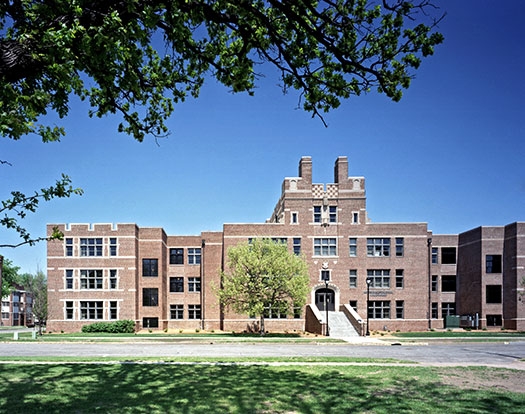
<point>150,267</point>
<point>353,304</point>
<point>91,309</point>
<point>113,280</point>
<point>434,283</point>
<point>400,309</point>
<point>493,263</point>
<point>275,312</point>
<point>493,293</point>
<point>353,278</point>
<point>379,309</point>
<point>194,284</point>
<point>91,279</point>
<point>400,246</point>
<point>297,312</point>
<point>352,242</point>
<point>150,297</point>
<point>294,218</point>
<point>378,247</point>
<point>176,284</point>
<point>69,309</point>
<point>177,256</point>
<point>194,256</point>
<point>113,310</point>
<point>325,275</point>
<point>194,311</point>
<point>150,322</point>
<point>280,240</point>
<point>297,246</point>
<point>400,278</point>
<point>69,279</point>
<point>448,283</point>
<point>332,214</point>
<point>317,214</point>
<point>113,246</point>
<point>448,255</point>
<point>176,311</point>
<point>69,247</point>
<point>434,255</point>
<point>325,247</point>
<point>380,278</point>
<point>91,247</point>
<point>447,309</point>
<point>434,310</point>
<point>494,320</point>
<point>355,218</point>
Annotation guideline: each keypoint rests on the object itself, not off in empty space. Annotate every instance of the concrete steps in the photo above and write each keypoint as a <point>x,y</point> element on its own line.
<point>339,326</point>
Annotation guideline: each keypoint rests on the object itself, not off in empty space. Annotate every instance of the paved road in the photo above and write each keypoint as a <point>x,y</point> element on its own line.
<point>492,354</point>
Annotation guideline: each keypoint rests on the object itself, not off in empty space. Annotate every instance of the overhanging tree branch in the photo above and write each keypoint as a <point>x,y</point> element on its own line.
<point>19,205</point>
<point>326,50</point>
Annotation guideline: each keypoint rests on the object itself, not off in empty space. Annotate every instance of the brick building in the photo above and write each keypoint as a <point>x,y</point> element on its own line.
<point>396,275</point>
<point>17,308</point>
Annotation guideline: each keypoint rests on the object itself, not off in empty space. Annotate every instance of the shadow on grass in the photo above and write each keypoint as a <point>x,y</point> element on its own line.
<point>162,388</point>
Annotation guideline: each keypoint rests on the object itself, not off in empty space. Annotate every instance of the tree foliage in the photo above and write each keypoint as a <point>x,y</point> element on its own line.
<point>36,285</point>
<point>138,58</point>
<point>20,204</point>
<point>263,275</point>
<point>9,276</point>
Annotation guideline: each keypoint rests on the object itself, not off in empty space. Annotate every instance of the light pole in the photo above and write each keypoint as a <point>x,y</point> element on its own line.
<point>429,257</point>
<point>368,281</point>
<point>326,306</point>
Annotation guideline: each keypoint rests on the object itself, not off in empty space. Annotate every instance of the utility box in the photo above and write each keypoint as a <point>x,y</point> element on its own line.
<point>452,321</point>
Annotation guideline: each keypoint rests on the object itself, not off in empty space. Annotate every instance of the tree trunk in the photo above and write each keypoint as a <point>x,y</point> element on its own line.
<point>262,330</point>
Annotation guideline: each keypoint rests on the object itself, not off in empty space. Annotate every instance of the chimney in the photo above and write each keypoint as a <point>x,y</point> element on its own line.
<point>305,169</point>
<point>341,170</point>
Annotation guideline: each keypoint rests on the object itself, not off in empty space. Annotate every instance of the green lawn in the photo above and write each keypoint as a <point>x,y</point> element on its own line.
<point>123,387</point>
<point>165,337</point>
<point>460,334</point>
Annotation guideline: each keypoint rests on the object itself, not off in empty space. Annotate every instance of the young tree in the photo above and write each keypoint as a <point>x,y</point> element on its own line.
<point>36,285</point>
<point>264,275</point>
<point>138,58</point>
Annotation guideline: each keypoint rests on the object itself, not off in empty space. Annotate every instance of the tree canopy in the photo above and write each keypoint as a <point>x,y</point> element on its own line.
<point>9,276</point>
<point>138,58</point>
<point>263,276</point>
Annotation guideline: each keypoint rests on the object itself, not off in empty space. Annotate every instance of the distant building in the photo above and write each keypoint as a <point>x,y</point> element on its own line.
<point>17,308</point>
<point>416,279</point>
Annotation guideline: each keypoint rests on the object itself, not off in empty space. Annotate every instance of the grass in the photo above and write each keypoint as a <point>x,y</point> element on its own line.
<point>170,337</point>
<point>218,388</point>
<point>459,334</point>
<point>206,360</point>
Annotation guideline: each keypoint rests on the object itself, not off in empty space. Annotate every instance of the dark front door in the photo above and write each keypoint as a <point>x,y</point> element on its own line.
<point>325,298</point>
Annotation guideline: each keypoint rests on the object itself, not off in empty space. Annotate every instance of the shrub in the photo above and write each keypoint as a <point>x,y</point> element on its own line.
<point>123,326</point>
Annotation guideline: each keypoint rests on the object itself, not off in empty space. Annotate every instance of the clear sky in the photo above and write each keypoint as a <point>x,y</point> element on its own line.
<point>451,153</point>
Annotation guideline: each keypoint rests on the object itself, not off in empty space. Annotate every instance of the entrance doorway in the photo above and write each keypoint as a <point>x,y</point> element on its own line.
<point>325,298</point>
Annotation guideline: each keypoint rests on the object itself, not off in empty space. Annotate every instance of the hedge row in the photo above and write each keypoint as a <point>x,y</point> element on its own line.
<point>124,326</point>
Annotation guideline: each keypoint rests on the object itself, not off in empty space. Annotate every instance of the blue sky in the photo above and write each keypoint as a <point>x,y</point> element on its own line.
<point>451,153</point>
